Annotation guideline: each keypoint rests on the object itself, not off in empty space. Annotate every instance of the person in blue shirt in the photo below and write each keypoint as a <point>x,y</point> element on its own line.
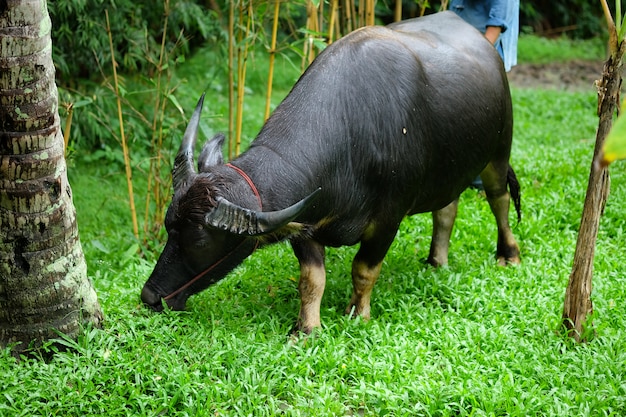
<point>498,20</point>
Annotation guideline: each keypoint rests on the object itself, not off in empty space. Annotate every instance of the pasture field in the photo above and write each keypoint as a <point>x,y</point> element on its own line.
<point>469,339</point>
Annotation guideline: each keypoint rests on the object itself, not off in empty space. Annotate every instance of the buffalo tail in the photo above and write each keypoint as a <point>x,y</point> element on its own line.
<point>514,190</point>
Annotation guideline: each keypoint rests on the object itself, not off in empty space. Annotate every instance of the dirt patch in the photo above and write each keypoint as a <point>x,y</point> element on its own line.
<point>564,76</point>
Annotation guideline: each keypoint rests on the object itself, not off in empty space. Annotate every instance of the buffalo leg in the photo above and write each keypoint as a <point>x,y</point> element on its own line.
<point>443,221</point>
<point>495,182</point>
<point>366,268</point>
<point>310,255</point>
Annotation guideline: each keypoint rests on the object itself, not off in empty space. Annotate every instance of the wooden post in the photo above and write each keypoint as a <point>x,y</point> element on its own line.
<point>578,305</point>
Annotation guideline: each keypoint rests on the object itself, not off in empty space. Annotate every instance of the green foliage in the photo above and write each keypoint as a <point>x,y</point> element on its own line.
<point>539,50</point>
<point>577,18</point>
<point>81,45</point>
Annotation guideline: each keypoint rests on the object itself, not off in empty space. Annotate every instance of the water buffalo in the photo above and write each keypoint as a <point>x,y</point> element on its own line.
<point>386,122</point>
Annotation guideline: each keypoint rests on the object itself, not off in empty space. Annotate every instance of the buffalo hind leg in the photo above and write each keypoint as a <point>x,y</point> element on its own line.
<point>310,255</point>
<point>495,181</point>
<point>443,221</point>
<point>366,268</point>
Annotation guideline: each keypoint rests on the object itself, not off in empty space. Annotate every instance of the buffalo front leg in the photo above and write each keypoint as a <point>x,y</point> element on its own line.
<point>366,268</point>
<point>364,277</point>
<point>310,255</point>
<point>443,222</point>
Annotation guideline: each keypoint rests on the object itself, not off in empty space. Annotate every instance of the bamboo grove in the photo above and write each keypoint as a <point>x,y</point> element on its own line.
<point>325,22</point>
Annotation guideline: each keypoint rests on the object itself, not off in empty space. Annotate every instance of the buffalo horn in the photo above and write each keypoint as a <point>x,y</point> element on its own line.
<point>242,221</point>
<point>183,164</point>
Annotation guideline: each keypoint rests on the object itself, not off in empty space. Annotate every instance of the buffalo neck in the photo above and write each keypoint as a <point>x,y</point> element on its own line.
<point>278,184</point>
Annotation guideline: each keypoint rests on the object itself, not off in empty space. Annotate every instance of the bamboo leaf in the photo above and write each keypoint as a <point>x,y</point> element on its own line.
<point>82,103</point>
<point>176,104</point>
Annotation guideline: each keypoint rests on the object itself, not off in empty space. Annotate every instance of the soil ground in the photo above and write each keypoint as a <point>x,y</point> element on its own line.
<point>565,76</point>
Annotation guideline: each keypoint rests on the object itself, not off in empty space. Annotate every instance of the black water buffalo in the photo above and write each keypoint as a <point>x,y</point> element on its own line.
<point>386,122</point>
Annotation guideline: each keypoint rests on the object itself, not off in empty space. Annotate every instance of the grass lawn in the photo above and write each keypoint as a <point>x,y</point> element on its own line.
<point>470,339</point>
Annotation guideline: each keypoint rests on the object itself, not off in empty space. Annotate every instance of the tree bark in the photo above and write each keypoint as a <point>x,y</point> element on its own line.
<point>44,287</point>
<point>578,305</point>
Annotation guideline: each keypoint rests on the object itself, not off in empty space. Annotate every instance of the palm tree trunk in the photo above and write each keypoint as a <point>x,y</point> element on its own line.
<point>44,287</point>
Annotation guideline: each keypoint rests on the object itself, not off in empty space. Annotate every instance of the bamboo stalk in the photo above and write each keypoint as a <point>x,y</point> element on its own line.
<point>370,6</point>
<point>397,16</point>
<point>239,69</point>
<point>231,76</point>
<point>241,74</point>
<point>352,15</point>
<point>320,17</point>
<point>270,77</point>
<point>346,15</point>
<point>307,37</point>
<point>157,138</point>
<point>312,26</point>
<point>129,174</point>
<point>423,4</point>
<point>613,35</point>
<point>332,21</point>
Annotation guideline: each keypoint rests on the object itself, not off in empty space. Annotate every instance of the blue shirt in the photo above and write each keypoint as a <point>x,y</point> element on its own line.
<point>481,13</point>
<point>502,13</point>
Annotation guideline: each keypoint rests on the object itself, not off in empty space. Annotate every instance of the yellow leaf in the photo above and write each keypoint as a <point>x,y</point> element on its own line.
<point>614,147</point>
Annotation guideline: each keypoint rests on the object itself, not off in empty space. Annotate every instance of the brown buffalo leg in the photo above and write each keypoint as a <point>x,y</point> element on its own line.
<point>495,183</point>
<point>507,251</point>
<point>366,268</point>
<point>443,221</point>
<point>310,254</point>
<point>363,279</point>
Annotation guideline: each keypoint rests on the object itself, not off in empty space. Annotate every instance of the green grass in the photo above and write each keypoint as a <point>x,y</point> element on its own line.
<point>470,339</point>
<point>539,50</point>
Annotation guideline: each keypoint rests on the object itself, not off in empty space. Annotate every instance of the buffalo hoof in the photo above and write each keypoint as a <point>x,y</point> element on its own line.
<point>300,336</point>
<point>508,254</point>
<point>354,312</point>
<point>436,262</point>
<point>299,330</point>
<point>505,261</point>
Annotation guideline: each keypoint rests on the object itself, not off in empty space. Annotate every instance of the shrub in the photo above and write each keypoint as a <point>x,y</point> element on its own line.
<point>80,40</point>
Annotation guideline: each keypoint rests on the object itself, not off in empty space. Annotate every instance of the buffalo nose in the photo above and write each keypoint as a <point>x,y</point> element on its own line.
<point>151,298</point>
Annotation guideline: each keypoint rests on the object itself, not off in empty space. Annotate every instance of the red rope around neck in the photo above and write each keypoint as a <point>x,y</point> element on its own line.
<point>249,181</point>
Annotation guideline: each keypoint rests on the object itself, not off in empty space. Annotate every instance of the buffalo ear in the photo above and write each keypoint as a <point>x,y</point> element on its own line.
<point>211,154</point>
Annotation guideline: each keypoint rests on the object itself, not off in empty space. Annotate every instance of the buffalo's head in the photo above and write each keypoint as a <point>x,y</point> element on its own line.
<point>208,235</point>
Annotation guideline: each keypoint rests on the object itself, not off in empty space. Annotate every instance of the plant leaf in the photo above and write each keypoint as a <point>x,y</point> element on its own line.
<point>614,146</point>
